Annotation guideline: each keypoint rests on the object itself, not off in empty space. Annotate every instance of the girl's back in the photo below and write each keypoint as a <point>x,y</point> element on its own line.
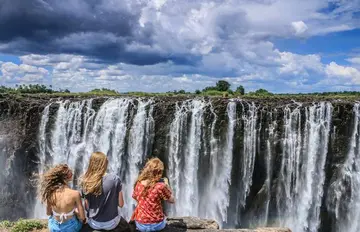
<point>149,205</point>
<point>66,202</point>
<point>61,201</point>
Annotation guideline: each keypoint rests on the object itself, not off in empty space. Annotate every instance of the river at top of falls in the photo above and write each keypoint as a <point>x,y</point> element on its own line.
<point>202,144</point>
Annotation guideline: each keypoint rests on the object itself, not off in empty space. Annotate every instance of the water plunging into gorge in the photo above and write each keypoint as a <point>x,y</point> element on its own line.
<point>243,163</point>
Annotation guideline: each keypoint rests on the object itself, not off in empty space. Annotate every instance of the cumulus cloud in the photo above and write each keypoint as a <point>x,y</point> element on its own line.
<point>299,64</point>
<point>349,74</point>
<point>23,73</point>
<point>299,27</point>
<point>354,60</point>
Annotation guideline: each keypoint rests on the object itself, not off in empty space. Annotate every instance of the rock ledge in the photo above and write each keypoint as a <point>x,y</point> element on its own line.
<point>174,224</point>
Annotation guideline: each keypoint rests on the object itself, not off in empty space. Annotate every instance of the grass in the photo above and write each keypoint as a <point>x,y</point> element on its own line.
<point>22,225</point>
<point>210,93</point>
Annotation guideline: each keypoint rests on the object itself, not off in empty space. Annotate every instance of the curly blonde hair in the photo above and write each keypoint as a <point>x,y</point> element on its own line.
<point>152,172</point>
<point>91,181</point>
<point>54,179</point>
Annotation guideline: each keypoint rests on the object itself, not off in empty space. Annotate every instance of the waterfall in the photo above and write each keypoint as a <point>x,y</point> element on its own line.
<point>39,211</point>
<point>238,162</point>
<point>176,136</point>
<point>107,133</point>
<point>344,193</point>
<point>302,168</point>
<point>137,148</point>
<point>223,181</point>
<point>187,140</point>
<point>217,199</point>
<point>249,118</point>
<point>270,141</point>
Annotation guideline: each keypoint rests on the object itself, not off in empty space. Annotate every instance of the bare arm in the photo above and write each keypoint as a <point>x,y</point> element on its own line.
<point>168,195</point>
<point>86,204</point>
<point>171,199</point>
<point>48,210</point>
<point>121,199</point>
<point>80,207</point>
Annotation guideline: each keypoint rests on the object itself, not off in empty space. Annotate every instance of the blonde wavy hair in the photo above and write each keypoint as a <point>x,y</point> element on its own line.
<point>91,181</point>
<point>152,172</point>
<point>53,180</point>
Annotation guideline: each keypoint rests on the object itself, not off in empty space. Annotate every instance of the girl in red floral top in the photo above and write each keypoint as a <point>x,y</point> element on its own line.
<point>149,191</point>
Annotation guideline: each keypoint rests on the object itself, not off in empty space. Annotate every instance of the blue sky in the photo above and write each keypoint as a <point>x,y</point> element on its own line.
<point>163,45</point>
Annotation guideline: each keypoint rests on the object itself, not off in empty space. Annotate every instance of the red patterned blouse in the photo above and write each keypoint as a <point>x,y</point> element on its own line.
<point>149,209</point>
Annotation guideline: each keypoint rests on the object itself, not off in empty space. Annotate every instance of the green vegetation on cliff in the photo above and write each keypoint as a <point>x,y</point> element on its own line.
<point>222,89</point>
<point>22,225</point>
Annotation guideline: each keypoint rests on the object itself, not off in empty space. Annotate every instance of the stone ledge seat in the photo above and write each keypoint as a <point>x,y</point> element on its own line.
<point>192,224</point>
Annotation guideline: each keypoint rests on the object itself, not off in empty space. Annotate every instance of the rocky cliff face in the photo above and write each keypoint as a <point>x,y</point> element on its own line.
<point>243,162</point>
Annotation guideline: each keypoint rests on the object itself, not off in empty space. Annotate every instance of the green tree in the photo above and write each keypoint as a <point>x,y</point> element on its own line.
<point>197,91</point>
<point>240,90</point>
<point>209,88</point>
<point>262,92</point>
<point>222,85</point>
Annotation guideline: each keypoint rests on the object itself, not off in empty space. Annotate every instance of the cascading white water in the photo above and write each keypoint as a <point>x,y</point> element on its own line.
<point>249,118</point>
<point>108,132</point>
<point>217,197</point>
<point>223,181</point>
<point>188,193</point>
<point>185,138</point>
<point>176,136</point>
<point>302,169</point>
<point>137,149</point>
<point>289,171</point>
<point>208,210</point>
<point>344,193</point>
<point>269,154</point>
<point>39,211</point>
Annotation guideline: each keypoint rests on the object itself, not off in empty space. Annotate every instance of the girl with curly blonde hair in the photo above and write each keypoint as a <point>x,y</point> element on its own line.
<point>62,203</point>
<point>150,189</point>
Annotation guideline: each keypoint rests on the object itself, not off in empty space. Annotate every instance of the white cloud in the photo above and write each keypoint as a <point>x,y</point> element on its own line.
<point>299,65</point>
<point>354,60</point>
<point>299,27</point>
<point>350,74</point>
<point>22,73</point>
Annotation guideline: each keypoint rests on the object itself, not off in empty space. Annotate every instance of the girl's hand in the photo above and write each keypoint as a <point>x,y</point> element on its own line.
<point>166,181</point>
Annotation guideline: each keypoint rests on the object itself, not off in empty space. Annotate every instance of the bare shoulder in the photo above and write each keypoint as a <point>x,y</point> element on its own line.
<point>74,193</point>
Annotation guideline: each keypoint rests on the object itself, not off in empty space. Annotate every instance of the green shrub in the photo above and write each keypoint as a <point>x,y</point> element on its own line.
<point>104,91</point>
<point>27,225</point>
<point>213,93</point>
<point>6,224</point>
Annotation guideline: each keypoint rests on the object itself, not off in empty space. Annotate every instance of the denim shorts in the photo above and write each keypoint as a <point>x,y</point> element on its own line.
<point>72,225</point>
<point>151,227</point>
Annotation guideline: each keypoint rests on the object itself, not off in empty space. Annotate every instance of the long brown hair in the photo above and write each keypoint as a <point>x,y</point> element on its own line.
<point>152,172</point>
<point>54,179</point>
<point>91,181</point>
